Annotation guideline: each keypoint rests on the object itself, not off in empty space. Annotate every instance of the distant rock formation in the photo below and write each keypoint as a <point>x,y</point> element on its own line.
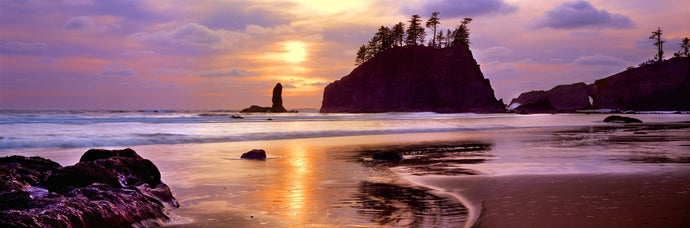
<point>562,98</point>
<point>277,99</point>
<point>661,86</point>
<point>414,79</point>
<point>107,188</point>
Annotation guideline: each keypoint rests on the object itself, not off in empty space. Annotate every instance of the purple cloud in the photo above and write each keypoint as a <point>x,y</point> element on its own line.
<point>116,69</point>
<point>227,73</point>
<point>21,47</point>
<point>581,14</point>
<point>598,59</point>
<point>193,34</point>
<point>82,23</point>
<point>464,8</point>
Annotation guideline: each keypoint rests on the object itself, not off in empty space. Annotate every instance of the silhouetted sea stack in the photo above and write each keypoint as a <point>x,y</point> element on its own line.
<point>661,86</point>
<point>277,99</point>
<point>414,79</point>
<point>107,188</point>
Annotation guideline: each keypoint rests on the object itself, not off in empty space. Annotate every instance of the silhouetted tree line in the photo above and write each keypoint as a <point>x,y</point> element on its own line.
<point>414,35</point>
<point>659,44</point>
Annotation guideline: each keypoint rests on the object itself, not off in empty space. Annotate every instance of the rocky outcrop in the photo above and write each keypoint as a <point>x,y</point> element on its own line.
<point>412,79</point>
<point>661,86</point>
<point>107,188</point>
<point>562,98</point>
<point>655,87</point>
<point>256,108</point>
<point>277,100</point>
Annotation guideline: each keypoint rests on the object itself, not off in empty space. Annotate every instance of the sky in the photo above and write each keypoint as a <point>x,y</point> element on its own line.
<point>227,54</point>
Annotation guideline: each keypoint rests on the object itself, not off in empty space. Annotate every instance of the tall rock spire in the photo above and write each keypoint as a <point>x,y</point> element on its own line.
<point>278,99</point>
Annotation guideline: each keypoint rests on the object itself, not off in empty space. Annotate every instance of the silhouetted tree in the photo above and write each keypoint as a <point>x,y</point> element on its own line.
<point>361,55</point>
<point>398,34</point>
<point>385,36</point>
<point>656,35</point>
<point>415,32</point>
<point>441,40</point>
<point>684,46</point>
<point>449,38</point>
<point>461,35</point>
<point>433,23</point>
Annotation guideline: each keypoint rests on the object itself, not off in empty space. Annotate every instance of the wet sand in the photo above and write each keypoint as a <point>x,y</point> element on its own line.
<point>657,199</point>
<point>600,176</point>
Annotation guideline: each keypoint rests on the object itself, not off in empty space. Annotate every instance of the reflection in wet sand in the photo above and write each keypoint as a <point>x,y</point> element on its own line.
<point>394,205</point>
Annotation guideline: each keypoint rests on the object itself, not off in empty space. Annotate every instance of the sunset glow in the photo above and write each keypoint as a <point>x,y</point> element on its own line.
<point>205,55</point>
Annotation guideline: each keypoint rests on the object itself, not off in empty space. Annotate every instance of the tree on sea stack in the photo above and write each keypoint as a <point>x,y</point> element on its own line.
<point>656,35</point>
<point>433,23</point>
<point>461,35</point>
<point>415,33</point>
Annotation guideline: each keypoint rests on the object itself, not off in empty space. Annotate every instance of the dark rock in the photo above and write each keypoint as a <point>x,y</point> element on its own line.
<point>562,98</point>
<point>411,79</point>
<point>277,99</point>
<point>256,108</point>
<point>256,154</point>
<point>79,175</point>
<point>387,156</point>
<point>17,171</point>
<point>95,154</point>
<point>236,117</point>
<point>621,119</point>
<point>661,86</point>
<point>107,188</point>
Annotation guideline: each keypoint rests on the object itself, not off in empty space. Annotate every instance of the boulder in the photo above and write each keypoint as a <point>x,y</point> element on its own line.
<point>414,79</point>
<point>621,119</point>
<point>107,188</point>
<point>254,154</point>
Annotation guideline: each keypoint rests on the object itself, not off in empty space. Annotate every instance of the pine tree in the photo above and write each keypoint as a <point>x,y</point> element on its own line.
<point>461,35</point>
<point>684,46</point>
<point>361,56</point>
<point>441,40</point>
<point>656,35</point>
<point>398,34</point>
<point>415,33</point>
<point>433,22</point>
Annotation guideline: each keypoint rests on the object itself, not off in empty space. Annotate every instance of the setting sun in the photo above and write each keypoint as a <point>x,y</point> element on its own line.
<point>295,51</point>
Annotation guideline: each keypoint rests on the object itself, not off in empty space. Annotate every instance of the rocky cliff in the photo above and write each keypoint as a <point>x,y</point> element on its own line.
<point>655,87</point>
<point>411,79</point>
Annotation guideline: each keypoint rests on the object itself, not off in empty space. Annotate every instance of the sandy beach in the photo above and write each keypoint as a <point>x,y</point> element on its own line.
<point>600,176</point>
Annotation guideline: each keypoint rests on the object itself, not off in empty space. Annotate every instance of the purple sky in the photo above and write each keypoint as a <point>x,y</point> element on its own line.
<point>122,54</point>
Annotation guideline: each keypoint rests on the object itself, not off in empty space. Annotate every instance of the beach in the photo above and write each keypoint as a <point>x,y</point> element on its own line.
<point>490,171</point>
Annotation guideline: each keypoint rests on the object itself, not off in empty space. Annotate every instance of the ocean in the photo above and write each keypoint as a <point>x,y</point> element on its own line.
<point>319,171</point>
<point>117,128</point>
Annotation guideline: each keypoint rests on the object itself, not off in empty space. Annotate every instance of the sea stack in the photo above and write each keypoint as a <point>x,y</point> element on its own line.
<point>278,99</point>
<point>414,79</point>
<point>663,86</point>
<point>277,102</point>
